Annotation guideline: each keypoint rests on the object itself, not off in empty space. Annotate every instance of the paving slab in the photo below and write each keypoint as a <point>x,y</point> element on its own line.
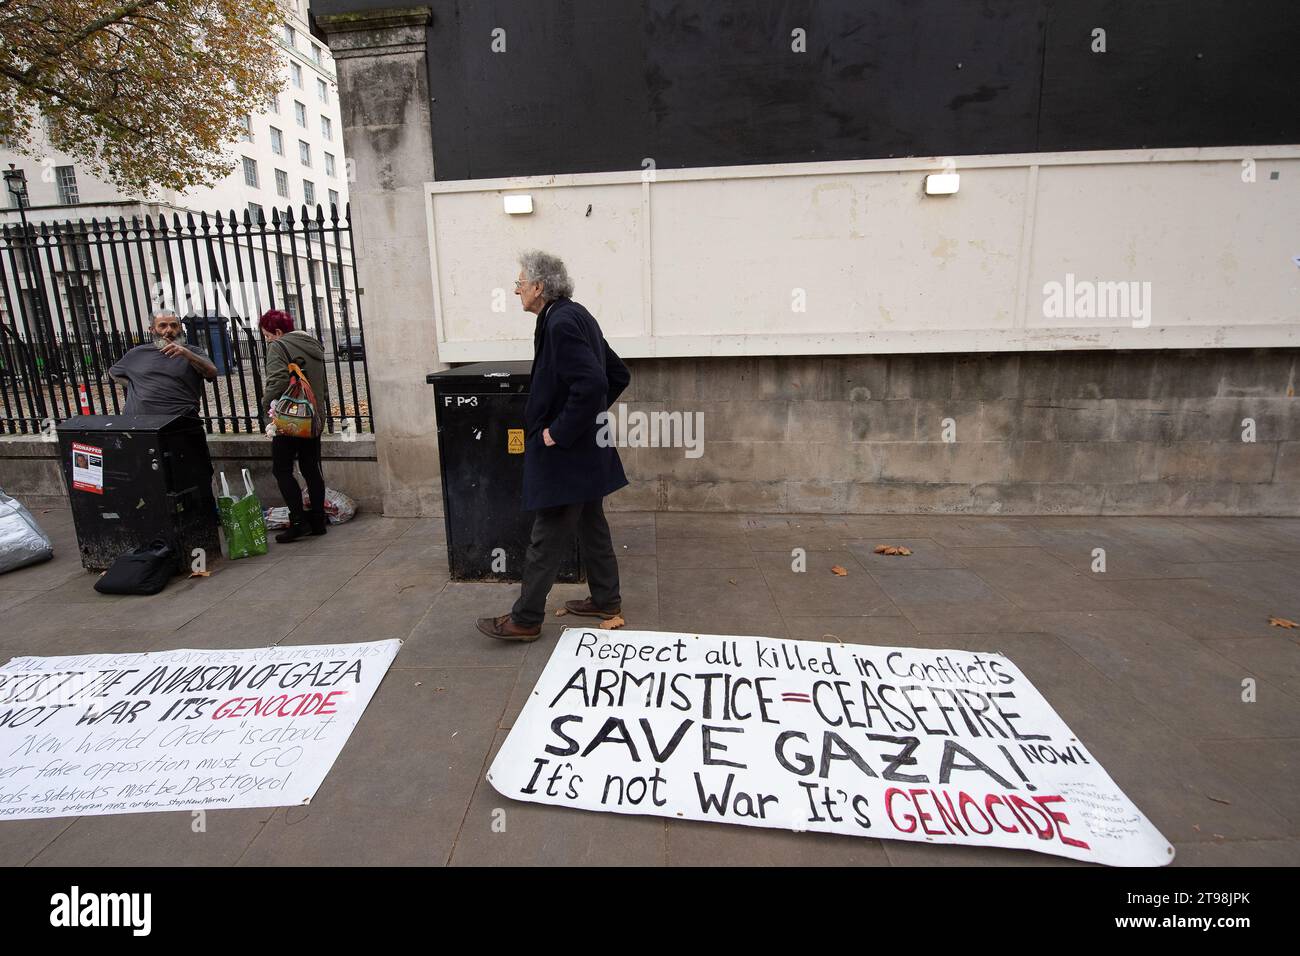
<point>1276,658</point>
<point>819,591</point>
<point>198,838</point>
<point>372,606</point>
<point>927,554</point>
<point>1270,768</point>
<point>718,601</point>
<point>400,788</point>
<point>447,634</point>
<point>1033,579</point>
<point>1188,685</point>
<point>731,551</point>
<point>499,831</point>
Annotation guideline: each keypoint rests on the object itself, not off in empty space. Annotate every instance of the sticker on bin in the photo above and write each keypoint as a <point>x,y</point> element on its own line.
<point>87,468</point>
<point>515,441</point>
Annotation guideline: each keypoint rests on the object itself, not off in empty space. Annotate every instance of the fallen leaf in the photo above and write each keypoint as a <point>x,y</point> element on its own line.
<point>1282,622</point>
<point>611,624</point>
<point>200,574</point>
<point>892,549</point>
<point>838,570</point>
<point>560,612</point>
<point>731,580</point>
<point>1226,803</point>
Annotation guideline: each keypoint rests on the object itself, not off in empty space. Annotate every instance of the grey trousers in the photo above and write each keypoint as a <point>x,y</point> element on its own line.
<point>553,531</point>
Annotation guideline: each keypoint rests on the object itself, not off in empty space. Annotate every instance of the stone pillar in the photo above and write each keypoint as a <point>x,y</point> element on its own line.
<point>384,99</point>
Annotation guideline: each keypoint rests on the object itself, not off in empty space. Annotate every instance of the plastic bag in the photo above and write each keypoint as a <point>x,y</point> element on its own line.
<point>22,542</point>
<point>241,519</point>
<point>338,509</point>
<point>338,506</point>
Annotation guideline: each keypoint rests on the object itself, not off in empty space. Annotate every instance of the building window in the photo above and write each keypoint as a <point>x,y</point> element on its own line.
<point>66,177</point>
<point>326,128</point>
<point>277,142</point>
<point>255,213</point>
<point>334,198</point>
<point>300,113</point>
<point>322,90</point>
<point>329,164</point>
<point>315,53</point>
<point>273,103</point>
<point>304,153</point>
<point>309,192</point>
<point>336,274</point>
<point>246,129</point>
<point>296,72</point>
<point>282,183</point>
<point>287,34</point>
<point>250,172</point>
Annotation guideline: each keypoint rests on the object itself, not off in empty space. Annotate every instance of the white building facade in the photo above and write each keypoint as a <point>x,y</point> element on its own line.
<point>289,157</point>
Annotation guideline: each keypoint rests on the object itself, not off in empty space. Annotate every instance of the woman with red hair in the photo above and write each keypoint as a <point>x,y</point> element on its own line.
<point>287,345</point>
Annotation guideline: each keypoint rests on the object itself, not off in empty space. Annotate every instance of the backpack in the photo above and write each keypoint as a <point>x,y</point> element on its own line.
<point>142,571</point>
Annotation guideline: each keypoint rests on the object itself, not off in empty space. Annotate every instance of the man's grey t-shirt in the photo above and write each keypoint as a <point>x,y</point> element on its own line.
<point>159,384</point>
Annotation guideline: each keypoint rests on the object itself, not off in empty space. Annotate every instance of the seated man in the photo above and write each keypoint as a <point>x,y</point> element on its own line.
<point>166,377</point>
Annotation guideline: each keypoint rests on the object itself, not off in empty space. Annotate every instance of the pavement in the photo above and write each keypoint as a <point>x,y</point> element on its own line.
<point>1145,662</point>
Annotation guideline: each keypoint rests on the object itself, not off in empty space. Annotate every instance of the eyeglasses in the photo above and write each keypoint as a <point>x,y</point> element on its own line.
<point>520,283</point>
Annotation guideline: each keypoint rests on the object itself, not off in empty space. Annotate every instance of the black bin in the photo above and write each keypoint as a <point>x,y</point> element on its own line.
<point>134,478</point>
<point>210,332</point>
<point>480,415</point>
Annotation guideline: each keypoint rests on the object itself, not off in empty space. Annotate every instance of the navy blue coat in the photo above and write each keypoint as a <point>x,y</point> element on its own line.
<point>575,376</point>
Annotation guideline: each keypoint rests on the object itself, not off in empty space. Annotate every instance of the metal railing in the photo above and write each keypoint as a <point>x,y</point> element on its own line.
<point>76,295</point>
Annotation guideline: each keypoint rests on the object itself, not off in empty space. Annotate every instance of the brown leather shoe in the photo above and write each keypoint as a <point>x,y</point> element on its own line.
<point>504,628</point>
<point>586,608</point>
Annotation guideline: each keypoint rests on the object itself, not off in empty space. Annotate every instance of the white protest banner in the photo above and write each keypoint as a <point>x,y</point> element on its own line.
<point>178,730</point>
<point>887,742</point>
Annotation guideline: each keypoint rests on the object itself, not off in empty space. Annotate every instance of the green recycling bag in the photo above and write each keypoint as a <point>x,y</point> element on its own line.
<point>241,520</point>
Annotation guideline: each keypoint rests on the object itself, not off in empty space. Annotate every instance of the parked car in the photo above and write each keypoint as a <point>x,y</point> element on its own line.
<point>353,348</point>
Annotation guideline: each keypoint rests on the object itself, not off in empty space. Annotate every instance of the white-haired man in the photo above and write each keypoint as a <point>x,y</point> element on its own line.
<point>567,472</point>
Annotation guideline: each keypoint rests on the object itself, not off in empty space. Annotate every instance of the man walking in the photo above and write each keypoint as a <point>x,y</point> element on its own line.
<point>567,473</point>
<point>164,377</point>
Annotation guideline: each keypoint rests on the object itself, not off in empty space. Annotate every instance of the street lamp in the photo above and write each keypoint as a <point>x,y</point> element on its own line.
<point>16,183</point>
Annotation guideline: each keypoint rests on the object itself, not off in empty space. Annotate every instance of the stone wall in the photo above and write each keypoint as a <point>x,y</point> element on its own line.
<point>1088,432</point>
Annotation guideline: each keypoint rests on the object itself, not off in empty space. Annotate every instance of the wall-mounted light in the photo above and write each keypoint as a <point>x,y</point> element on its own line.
<point>519,205</point>
<point>942,184</point>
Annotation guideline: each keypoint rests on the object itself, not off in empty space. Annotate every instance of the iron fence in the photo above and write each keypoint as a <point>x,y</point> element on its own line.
<point>76,295</point>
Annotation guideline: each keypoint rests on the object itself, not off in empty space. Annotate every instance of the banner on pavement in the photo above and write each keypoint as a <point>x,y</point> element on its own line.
<point>899,743</point>
<point>178,730</point>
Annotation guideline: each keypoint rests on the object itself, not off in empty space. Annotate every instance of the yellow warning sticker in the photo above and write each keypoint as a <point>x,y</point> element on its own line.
<point>515,441</point>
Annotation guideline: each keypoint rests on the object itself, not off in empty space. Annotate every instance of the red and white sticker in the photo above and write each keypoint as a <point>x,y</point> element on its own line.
<point>87,468</point>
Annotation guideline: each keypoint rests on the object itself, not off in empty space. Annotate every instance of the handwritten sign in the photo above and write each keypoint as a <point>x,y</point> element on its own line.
<point>178,730</point>
<point>887,742</point>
